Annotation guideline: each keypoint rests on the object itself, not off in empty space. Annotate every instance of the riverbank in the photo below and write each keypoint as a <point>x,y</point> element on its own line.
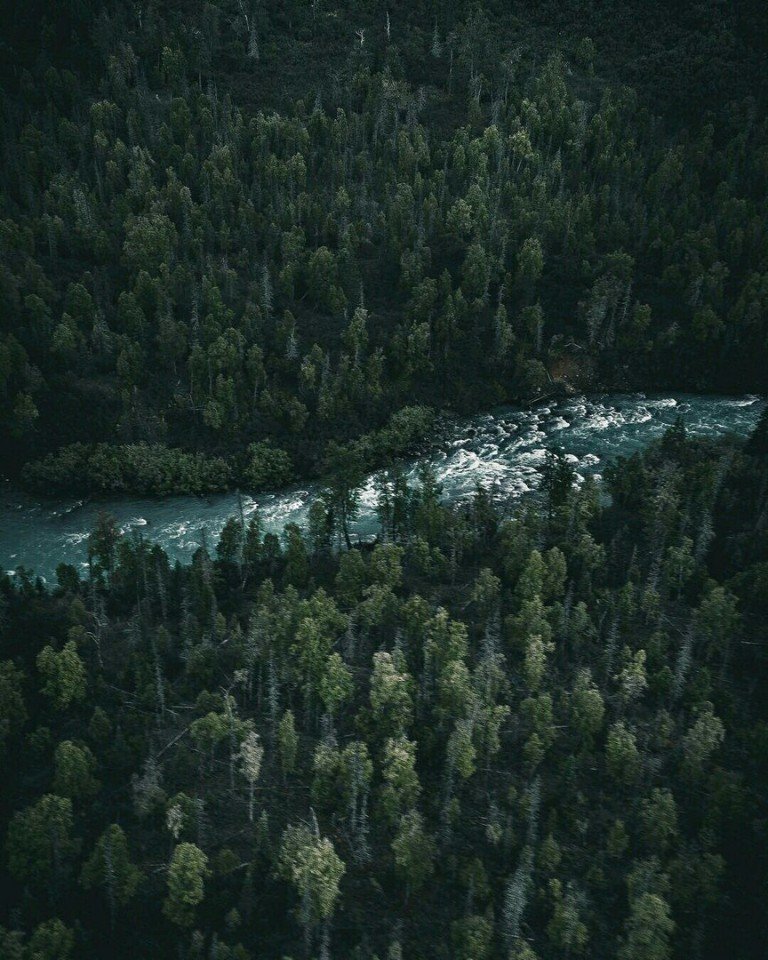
<point>501,451</point>
<point>145,469</point>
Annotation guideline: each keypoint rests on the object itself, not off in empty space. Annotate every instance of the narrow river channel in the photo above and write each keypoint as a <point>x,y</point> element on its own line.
<point>503,449</point>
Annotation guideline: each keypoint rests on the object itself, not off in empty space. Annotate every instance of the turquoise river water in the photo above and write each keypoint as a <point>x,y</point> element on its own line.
<point>502,450</point>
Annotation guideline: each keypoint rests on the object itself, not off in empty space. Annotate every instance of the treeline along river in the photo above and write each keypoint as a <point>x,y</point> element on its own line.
<point>502,451</point>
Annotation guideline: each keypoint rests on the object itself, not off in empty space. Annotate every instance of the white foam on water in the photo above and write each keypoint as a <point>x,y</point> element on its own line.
<point>559,423</point>
<point>599,422</point>
<point>539,455</point>
<point>176,531</point>
<point>489,450</point>
<point>501,452</point>
<point>640,415</point>
<point>369,496</point>
<point>76,538</point>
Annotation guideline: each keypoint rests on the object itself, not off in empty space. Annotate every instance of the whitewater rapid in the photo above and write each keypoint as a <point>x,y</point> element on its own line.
<point>501,451</point>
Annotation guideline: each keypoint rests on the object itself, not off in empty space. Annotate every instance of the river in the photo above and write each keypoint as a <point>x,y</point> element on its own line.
<point>503,449</point>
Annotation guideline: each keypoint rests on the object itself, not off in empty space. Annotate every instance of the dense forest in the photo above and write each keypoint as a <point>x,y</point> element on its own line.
<point>243,242</point>
<point>540,735</point>
<point>235,234</point>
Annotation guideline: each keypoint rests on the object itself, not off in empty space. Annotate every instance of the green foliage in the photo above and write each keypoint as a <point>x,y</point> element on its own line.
<point>74,766</point>
<point>336,684</point>
<point>312,865</point>
<point>41,841</point>
<point>186,883</point>
<point>64,675</point>
<point>401,787</point>
<point>621,754</point>
<point>288,742</point>
<point>649,929</point>
<point>51,941</point>
<point>391,693</point>
<point>565,929</point>
<point>587,706</point>
<point>267,468</point>
<point>13,712</point>
<point>703,738</point>
<point>139,468</point>
<point>110,868</point>
<point>472,938</point>
<point>413,850</point>
<point>659,819</point>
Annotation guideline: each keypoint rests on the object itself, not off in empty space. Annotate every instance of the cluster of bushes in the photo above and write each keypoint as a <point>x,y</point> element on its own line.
<point>157,470</point>
<point>406,431</point>
<point>151,469</point>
